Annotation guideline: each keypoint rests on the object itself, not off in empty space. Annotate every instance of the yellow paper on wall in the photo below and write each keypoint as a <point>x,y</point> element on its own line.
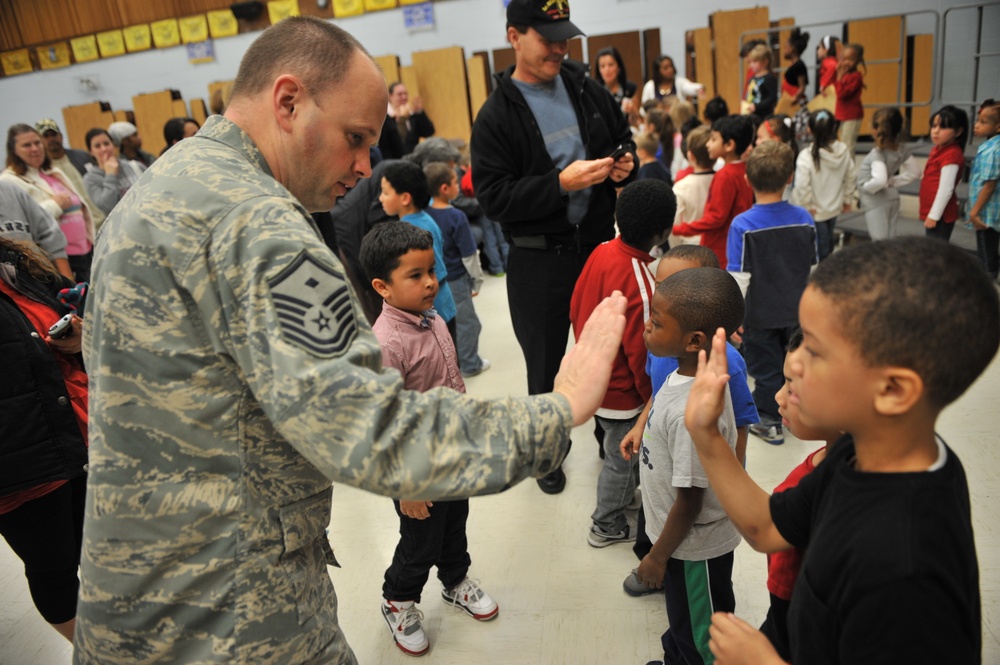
<point>278,10</point>
<point>378,5</point>
<point>53,56</point>
<point>16,62</point>
<point>111,43</point>
<point>344,8</point>
<point>412,2</point>
<point>137,38</point>
<point>193,28</point>
<point>222,23</point>
<point>85,48</point>
<point>165,33</point>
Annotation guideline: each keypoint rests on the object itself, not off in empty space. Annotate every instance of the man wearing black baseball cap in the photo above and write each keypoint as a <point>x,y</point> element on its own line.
<point>542,167</point>
<point>549,17</point>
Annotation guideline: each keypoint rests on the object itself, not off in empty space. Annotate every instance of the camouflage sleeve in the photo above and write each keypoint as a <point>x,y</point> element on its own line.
<point>298,334</point>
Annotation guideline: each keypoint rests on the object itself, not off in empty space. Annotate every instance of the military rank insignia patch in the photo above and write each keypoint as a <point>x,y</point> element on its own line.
<point>314,307</point>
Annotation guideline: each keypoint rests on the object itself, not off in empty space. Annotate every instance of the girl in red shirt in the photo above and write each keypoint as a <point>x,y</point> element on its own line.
<point>826,56</point>
<point>849,84</point>
<point>943,171</point>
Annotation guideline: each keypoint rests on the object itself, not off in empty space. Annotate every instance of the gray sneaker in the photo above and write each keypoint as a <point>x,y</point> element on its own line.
<point>770,432</point>
<point>597,538</point>
<point>635,588</point>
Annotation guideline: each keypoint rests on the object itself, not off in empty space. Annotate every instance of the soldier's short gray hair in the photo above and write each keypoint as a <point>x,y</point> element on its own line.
<point>315,50</point>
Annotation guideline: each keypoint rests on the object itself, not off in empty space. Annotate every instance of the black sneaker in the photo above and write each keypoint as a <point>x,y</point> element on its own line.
<point>769,432</point>
<point>552,482</point>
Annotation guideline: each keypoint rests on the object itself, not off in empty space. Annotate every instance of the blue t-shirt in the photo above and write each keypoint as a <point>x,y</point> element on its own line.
<point>744,409</point>
<point>556,117</point>
<point>444,302</point>
<point>458,240</point>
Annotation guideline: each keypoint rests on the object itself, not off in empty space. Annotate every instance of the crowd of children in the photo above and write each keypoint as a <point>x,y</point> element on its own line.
<point>684,439</point>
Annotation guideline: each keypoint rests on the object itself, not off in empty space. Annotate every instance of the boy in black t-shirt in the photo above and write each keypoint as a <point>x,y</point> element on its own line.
<point>890,572</point>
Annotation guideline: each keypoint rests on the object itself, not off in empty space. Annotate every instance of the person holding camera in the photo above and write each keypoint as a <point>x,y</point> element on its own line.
<point>43,430</point>
<point>543,168</point>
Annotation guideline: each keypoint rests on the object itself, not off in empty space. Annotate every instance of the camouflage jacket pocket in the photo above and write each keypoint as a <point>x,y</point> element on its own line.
<point>303,526</point>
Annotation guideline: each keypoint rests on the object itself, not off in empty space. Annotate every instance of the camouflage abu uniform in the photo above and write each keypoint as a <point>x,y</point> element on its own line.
<point>233,377</point>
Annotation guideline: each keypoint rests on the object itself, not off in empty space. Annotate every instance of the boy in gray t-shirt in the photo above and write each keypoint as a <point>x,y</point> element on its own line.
<point>692,554</point>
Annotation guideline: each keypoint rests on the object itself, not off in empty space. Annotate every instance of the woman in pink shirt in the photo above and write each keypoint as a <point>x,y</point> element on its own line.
<point>29,167</point>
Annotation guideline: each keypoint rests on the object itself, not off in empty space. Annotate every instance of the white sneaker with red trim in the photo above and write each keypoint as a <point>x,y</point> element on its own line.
<point>468,597</point>
<point>403,619</point>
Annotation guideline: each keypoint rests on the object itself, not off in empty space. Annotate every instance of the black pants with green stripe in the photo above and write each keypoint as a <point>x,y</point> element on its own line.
<point>694,591</point>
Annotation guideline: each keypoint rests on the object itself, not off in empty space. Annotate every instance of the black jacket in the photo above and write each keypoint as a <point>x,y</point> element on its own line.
<point>392,144</point>
<point>40,440</point>
<point>517,183</point>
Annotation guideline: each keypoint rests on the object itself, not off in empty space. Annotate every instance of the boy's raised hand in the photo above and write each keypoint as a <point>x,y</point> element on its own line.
<point>708,391</point>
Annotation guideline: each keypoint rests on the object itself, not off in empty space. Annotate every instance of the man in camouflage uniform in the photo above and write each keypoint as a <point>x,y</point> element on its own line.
<point>233,377</point>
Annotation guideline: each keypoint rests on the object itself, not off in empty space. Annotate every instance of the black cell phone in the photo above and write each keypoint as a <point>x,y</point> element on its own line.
<point>618,152</point>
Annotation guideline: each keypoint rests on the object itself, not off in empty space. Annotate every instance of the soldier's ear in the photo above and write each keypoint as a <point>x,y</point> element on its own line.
<point>287,92</point>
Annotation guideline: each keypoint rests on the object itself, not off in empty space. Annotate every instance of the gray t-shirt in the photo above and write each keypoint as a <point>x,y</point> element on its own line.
<point>668,460</point>
<point>556,118</point>
<point>23,220</point>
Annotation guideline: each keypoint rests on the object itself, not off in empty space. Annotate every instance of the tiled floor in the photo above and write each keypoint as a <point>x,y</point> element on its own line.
<point>560,600</point>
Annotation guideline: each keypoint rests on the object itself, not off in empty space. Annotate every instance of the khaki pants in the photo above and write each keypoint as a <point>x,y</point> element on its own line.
<point>849,130</point>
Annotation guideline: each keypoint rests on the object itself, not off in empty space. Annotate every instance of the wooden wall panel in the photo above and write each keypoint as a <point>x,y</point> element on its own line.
<point>199,112</point>
<point>489,73</point>
<point>478,73</point>
<point>224,88</point>
<point>921,66</point>
<point>576,49</point>
<point>94,16</point>
<point>880,37</point>
<point>726,30</point>
<point>445,90</point>
<point>650,52</point>
<point>704,61</point>
<point>408,77</point>
<point>152,110</point>
<point>36,22</point>
<point>132,12</point>
<point>390,67</point>
<point>629,44</point>
<point>10,31</point>
<point>502,58</point>
<point>188,7</point>
<point>78,120</point>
